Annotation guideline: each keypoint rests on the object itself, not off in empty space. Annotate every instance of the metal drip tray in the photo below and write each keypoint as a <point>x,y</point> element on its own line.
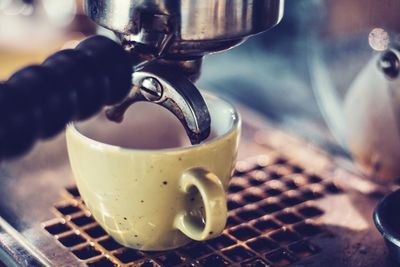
<point>290,204</point>
<point>273,217</point>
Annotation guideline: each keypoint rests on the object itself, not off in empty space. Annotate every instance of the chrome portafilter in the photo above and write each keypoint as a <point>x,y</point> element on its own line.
<point>160,85</point>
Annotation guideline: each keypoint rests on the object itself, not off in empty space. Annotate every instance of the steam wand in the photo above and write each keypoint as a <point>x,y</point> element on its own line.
<point>74,84</point>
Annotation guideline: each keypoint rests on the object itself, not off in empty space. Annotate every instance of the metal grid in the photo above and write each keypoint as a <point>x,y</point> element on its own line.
<point>273,218</point>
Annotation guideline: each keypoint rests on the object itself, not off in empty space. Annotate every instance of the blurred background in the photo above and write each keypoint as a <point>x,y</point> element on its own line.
<point>32,29</point>
<point>315,75</point>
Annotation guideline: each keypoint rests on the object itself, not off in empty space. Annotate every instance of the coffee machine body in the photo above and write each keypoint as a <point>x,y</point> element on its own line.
<point>186,29</point>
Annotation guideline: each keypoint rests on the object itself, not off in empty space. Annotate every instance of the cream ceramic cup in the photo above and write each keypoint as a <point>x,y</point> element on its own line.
<point>155,199</point>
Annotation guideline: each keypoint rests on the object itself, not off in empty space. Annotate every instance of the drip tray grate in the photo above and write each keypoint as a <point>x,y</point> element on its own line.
<point>273,217</point>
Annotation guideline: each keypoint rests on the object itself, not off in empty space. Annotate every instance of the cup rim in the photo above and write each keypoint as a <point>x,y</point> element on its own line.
<point>236,123</point>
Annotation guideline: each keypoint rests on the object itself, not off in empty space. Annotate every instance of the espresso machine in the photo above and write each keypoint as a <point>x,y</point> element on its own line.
<point>162,45</point>
<point>291,203</point>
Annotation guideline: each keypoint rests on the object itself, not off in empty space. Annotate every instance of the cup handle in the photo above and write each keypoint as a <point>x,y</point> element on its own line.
<point>214,201</point>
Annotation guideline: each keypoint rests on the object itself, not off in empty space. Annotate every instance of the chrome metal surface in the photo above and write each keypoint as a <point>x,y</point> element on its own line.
<point>192,20</point>
<point>15,251</point>
<point>190,68</point>
<point>151,89</point>
<point>197,27</point>
<point>179,95</point>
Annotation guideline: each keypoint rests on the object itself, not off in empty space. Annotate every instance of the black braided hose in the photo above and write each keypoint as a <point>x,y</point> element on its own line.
<point>38,101</point>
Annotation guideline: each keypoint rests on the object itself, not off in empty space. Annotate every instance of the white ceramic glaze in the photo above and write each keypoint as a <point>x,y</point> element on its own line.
<point>157,199</point>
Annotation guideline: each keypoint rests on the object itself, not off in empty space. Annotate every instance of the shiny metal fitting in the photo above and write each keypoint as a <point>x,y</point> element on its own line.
<point>151,89</point>
<point>160,85</point>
